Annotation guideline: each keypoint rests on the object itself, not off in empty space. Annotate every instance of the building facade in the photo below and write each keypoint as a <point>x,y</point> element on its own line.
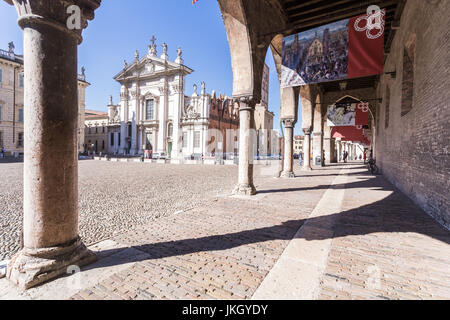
<point>298,145</point>
<point>151,105</point>
<point>155,115</point>
<point>96,132</point>
<point>12,102</point>
<point>266,141</point>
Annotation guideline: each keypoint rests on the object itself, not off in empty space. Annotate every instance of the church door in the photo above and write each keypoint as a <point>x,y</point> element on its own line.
<point>169,148</point>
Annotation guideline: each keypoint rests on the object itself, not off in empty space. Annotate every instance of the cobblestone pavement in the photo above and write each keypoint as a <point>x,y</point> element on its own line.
<point>116,197</point>
<point>382,246</point>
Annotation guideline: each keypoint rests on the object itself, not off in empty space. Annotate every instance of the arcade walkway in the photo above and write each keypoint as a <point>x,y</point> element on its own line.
<point>333,233</point>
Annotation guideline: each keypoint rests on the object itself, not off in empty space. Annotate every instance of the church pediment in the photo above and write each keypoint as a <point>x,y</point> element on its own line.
<point>149,66</point>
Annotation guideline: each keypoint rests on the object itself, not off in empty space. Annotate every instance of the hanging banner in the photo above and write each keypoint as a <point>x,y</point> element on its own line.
<point>362,114</point>
<point>346,49</point>
<point>348,114</point>
<point>349,134</point>
<point>341,114</point>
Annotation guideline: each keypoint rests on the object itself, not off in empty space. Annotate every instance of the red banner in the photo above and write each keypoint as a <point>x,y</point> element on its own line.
<point>362,114</point>
<point>365,46</point>
<point>349,133</point>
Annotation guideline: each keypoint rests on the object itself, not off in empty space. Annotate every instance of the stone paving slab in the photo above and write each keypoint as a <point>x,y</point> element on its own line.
<point>385,247</point>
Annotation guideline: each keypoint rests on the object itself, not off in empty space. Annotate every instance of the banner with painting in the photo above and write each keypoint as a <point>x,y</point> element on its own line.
<point>346,49</point>
<point>348,121</point>
<point>348,114</point>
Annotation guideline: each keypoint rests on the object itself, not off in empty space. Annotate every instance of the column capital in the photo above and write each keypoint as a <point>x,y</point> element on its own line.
<point>245,102</point>
<point>56,13</point>
<point>289,123</point>
<point>307,131</point>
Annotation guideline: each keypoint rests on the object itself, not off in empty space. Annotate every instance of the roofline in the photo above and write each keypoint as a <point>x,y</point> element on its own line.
<point>186,69</point>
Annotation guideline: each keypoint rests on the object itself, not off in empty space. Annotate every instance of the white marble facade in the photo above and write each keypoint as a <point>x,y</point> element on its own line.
<point>155,114</point>
<point>151,105</point>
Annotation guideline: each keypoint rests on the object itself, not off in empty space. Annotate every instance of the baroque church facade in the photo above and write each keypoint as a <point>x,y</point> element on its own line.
<point>155,115</point>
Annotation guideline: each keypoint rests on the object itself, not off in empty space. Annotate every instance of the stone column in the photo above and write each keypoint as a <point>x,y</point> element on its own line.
<point>307,150</point>
<point>163,107</point>
<point>50,230</point>
<point>245,184</point>
<point>332,151</point>
<point>318,134</point>
<point>288,167</point>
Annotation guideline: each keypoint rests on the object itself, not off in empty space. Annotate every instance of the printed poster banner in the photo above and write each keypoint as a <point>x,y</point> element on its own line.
<point>341,115</point>
<point>350,48</point>
<point>348,114</point>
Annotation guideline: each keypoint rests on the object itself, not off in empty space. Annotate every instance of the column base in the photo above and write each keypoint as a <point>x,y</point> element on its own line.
<point>287,175</point>
<point>32,267</point>
<point>244,190</point>
<point>306,169</point>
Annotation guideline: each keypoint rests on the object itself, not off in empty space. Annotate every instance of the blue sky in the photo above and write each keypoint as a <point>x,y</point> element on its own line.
<point>123,26</point>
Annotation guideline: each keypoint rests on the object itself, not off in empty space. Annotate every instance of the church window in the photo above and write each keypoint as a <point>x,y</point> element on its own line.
<point>20,115</point>
<point>20,139</point>
<point>170,130</point>
<point>150,111</point>
<point>197,139</point>
<point>20,80</point>
<point>185,140</point>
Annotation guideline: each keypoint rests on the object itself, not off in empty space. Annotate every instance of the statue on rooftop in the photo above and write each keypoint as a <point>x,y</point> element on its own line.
<point>11,47</point>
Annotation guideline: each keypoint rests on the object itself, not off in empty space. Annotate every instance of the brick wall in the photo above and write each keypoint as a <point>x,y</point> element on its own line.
<point>413,151</point>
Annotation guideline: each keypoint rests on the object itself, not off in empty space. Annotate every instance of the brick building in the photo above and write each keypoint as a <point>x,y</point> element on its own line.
<point>224,117</point>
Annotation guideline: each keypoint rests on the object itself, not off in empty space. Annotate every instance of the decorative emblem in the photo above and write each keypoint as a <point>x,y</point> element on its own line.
<point>364,106</point>
<point>374,20</point>
<point>191,112</point>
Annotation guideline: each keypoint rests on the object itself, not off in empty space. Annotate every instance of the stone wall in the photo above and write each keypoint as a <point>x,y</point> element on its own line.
<point>412,146</point>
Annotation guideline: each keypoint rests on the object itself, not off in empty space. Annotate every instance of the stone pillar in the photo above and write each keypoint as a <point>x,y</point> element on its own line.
<point>318,135</point>
<point>50,230</point>
<point>162,116</point>
<point>307,149</point>
<point>288,167</point>
<point>332,151</point>
<point>245,184</point>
